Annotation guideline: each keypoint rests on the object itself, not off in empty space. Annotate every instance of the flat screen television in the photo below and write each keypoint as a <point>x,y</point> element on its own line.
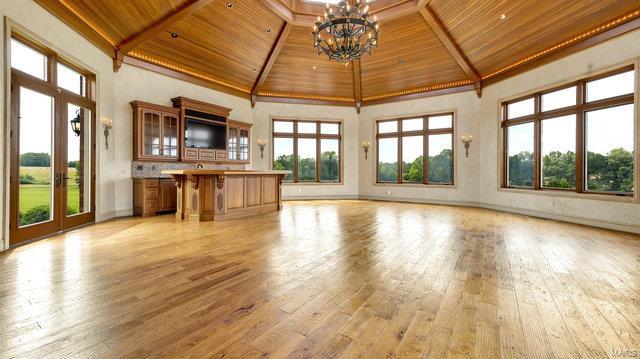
<point>202,134</point>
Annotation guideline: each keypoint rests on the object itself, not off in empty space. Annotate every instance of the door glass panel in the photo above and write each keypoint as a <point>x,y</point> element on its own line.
<point>35,194</point>
<point>78,184</point>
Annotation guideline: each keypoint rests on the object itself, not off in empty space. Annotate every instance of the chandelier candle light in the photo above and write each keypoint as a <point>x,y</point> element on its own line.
<point>347,33</point>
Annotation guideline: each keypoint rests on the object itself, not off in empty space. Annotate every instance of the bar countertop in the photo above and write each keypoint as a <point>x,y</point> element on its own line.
<point>203,172</point>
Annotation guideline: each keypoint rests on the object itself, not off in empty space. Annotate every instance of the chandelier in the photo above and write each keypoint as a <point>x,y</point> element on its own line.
<point>347,35</point>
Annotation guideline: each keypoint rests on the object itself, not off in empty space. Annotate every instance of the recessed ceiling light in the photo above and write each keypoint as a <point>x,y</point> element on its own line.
<point>401,61</point>
<point>229,5</point>
<point>503,16</point>
<point>254,69</point>
<point>174,35</point>
<point>268,30</point>
<point>315,67</point>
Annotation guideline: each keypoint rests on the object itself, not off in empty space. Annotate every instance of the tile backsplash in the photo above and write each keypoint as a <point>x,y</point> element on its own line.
<point>145,169</point>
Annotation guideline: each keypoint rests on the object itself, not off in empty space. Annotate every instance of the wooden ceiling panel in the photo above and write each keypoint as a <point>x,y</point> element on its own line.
<point>294,73</point>
<point>121,19</point>
<point>230,44</point>
<point>425,61</point>
<point>491,43</point>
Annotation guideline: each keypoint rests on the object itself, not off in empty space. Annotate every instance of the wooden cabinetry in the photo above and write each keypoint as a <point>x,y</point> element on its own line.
<point>156,132</point>
<point>205,113</point>
<point>238,140</point>
<point>153,195</point>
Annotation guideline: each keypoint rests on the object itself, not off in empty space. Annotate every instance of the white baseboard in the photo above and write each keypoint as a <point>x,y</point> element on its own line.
<point>617,226</point>
<point>311,197</point>
<point>124,212</point>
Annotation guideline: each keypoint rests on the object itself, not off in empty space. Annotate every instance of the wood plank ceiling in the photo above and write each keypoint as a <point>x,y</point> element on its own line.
<point>262,49</point>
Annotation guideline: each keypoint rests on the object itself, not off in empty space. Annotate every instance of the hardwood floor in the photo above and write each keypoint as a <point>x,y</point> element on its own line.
<point>325,279</point>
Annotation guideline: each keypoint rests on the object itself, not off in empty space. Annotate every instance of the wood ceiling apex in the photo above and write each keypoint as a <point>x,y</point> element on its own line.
<point>273,56</point>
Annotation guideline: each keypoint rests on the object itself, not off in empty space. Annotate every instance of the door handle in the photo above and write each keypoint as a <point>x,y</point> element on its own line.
<point>65,178</point>
<point>58,180</point>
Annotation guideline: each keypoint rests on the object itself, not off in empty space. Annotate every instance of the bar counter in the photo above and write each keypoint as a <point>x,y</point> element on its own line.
<point>207,195</point>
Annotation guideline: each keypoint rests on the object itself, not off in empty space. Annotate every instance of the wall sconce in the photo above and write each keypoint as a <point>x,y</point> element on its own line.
<point>365,147</point>
<point>467,143</point>
<point>261,144</point>
<point>107,123</point>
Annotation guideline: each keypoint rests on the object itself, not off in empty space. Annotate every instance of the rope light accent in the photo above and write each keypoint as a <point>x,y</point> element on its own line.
<point>143,57</point>
<point>566,43</point>
<point>419,90</point>
<point>306,97</point>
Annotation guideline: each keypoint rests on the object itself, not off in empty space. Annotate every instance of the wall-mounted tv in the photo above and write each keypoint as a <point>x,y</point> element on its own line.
<point>202,134</point>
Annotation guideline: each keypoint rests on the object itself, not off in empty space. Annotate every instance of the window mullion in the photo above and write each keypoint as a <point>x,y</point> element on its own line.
<point>399,179</point>
<point>537,144</point>
<point>317,151</point>
<point>580,140</point>
<point>295,151</point>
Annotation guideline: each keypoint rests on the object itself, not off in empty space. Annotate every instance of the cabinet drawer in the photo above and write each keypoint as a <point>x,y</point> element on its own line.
<point>151,193</point>
<point>190,153</point>
<point>151,205</point>
<point>221,155</point>
<point>207,155</point>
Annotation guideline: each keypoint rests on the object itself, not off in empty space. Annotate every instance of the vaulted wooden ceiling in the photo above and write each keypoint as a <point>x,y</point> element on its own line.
<point>263,49</point>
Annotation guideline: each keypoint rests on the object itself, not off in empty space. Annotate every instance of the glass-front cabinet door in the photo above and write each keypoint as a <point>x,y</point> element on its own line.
<point>232,145</point>
<point>244,144</point>
<point>151,133</point>
<point>169,136</point>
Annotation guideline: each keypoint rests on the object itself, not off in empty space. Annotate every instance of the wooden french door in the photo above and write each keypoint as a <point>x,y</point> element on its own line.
<point>52,184</point>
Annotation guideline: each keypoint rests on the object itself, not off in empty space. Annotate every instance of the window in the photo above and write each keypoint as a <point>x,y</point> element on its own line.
<point>415,150</point>
<point>49,67</point>
<point>309,149</point>
<point>579,137</point>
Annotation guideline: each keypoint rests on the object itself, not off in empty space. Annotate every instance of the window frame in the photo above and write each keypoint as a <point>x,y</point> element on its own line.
<point>425,133</point>
<point>318,136</point>
<point>53,58</point>
<point>580,110</point>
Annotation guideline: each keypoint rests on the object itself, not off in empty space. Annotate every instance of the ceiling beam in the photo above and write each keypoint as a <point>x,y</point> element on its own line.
<point>357,84</point>
<point>455,51</point>
<point>271,60</point>
<point>279,9</point>
<point>183,11</point>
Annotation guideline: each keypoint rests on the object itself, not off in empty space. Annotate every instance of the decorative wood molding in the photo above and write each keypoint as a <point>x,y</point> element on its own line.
<point>180,13</point>
<point>177,179</point>
<point>185,75</point>
<point>302,101</point>
<point>455,51</point>
<point>357,83</point>
<point>273,56</point>
<point>220,181</point>
<point>194,181</point>
<point>585,40</point>
<point>118,60</point>
<point>422,94</point>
